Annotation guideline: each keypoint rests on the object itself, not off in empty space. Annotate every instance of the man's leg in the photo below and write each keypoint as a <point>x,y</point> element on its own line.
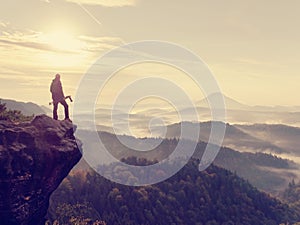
<point>64,103</point>
<point>55,106</point>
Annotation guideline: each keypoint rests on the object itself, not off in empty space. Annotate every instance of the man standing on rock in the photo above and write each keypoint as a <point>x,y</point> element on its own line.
<point>58,97</point>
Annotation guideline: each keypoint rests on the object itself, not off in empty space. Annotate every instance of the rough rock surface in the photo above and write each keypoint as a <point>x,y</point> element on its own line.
<point>34,158</point>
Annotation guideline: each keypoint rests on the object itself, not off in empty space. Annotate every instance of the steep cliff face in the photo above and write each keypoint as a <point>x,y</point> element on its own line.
<point>34,158</point>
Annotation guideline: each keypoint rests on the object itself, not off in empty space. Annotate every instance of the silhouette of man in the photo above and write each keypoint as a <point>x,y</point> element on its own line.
<point>58,97</point>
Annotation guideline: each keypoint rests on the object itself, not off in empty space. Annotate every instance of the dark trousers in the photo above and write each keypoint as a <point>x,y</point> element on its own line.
<point>55,107</point>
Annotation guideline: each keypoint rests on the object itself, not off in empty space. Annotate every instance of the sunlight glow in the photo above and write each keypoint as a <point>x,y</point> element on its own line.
<point>62,40</point>
<point>68,51</point>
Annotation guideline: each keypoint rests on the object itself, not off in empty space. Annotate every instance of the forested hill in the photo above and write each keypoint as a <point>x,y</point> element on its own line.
<point>265,171</point>
<point>214,196</point>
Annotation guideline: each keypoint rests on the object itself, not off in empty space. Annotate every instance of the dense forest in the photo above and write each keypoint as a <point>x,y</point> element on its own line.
<point>214,196</point>
<point>267,172</point>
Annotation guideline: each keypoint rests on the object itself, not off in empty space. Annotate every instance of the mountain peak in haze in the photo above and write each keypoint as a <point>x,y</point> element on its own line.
<point>229,102</point>
<point>232,104</point>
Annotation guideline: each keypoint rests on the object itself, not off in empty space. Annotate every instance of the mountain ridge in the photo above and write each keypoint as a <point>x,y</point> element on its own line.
<point>265,171</point>
<point>27,108</point>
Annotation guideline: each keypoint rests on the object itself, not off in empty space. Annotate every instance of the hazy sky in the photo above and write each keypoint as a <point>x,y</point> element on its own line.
<point>252,46</point>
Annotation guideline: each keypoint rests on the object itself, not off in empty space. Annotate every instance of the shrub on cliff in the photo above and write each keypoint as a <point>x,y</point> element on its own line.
<point>13,115</point>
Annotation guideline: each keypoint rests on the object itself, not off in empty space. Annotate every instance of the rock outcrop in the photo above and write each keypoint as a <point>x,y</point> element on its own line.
<point>34,158</point>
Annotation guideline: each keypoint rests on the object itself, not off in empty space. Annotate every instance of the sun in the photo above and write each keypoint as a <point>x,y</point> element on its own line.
<point>65,49</point>
<point>62,41</point>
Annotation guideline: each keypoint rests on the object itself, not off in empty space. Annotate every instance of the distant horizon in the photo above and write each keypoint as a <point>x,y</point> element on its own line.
<point>226,96</point>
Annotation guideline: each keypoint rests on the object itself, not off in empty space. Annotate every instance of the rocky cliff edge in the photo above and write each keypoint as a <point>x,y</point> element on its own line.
<point>34,158</point>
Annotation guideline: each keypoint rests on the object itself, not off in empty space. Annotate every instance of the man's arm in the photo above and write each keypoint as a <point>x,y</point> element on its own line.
<point>60,90</point>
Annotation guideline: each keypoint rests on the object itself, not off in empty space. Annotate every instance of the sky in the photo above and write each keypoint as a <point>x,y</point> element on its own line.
<point>251,46</point>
